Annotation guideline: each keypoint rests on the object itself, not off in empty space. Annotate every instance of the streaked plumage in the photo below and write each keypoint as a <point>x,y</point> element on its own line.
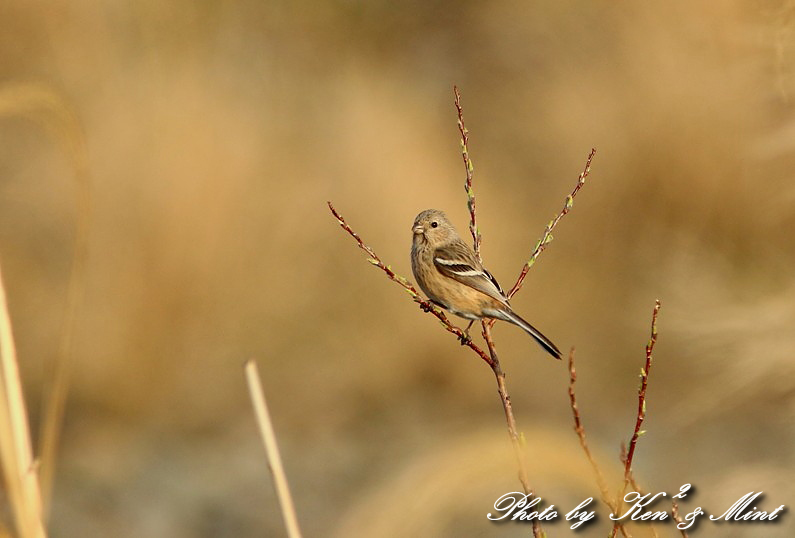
<point>450,274</point>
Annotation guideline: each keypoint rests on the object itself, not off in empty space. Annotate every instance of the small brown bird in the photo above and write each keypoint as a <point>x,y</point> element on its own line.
<point>450,274</point>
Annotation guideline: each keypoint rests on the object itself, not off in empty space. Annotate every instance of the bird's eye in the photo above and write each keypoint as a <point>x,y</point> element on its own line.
<point>434,224</point>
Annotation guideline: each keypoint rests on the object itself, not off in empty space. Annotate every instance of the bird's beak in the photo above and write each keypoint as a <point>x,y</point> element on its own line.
<point>418,230</point>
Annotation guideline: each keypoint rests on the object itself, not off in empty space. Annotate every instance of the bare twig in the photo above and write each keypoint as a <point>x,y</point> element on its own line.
<point>623,458</point>
<point>644,380</point>
<point>641,415</point>
<point>633,482</point>
<point>272,450</point>
<point>513,431</point>
<point>546,238</point>
<point>499,375</point>
<point>473,224</point>
<point>636,487</point>
<point>580,429</point>
<point>624,454</point>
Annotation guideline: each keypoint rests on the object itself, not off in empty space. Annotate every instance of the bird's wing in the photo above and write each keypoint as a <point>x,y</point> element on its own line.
<point>457,261</point>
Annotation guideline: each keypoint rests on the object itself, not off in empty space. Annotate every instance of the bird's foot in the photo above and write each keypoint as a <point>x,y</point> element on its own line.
<point>464,338</point>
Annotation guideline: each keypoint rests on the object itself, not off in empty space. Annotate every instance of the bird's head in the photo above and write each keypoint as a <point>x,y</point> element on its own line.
<point>431,226</point>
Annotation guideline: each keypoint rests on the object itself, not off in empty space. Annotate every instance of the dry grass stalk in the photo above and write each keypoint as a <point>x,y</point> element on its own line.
<point>48,108</point>
<point>16,455</point>
<point>272,450</point>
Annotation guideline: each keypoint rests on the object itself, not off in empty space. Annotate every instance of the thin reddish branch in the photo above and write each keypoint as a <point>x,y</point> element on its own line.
<point>513,431</point>
<point>636,487</point>
<point>580,429</point>
<point>644,380</point>
<point>547,237</point>
<point>641,415</point>
<point>633,482</point>
<point>426,306</point>
<point>506,400</point>
<point>623,458</point>
<point>473,224</point>
<point>499,375</point>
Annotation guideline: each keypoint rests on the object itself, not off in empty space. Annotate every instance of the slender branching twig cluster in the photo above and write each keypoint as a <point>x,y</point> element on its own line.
<point>627,454</point>
<point>491,358</point>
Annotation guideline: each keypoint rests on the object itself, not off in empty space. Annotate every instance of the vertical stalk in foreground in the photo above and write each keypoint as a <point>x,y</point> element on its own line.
<point>19,472</point>
<point>49,108</point>
<point>271,449</point>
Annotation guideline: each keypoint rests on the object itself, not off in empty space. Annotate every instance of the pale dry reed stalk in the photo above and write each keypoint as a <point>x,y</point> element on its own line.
<point>20,473</point>
<point>50,109</point>
<point>272,450</point>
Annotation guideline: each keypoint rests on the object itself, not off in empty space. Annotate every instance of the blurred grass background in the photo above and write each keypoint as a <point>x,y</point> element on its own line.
<point>217,131</point>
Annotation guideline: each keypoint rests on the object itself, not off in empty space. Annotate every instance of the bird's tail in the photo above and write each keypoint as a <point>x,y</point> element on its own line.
<point>545,342</point>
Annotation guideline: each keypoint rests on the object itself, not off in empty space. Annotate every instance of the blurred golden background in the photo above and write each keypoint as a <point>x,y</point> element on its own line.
<point>217,131</point>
